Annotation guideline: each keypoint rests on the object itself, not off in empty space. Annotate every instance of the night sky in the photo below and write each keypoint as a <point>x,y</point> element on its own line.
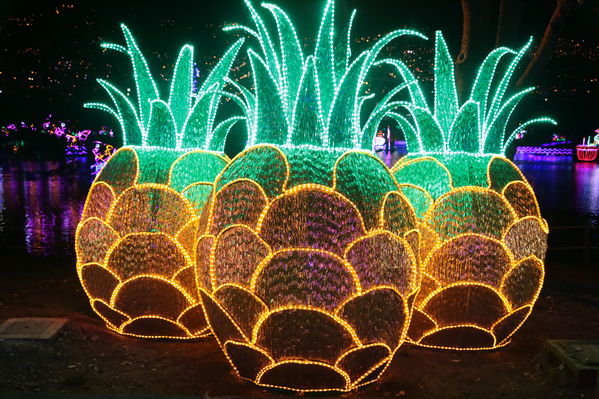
<point>50,54</point>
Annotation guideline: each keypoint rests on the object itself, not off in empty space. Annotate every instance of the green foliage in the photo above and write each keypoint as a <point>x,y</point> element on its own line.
<point>311,167</point>
<point>476,127</point>
<point>154,166</point>
<point>467,211</point>
<point>184,172</point>
<point>181,121</point>
<point>122,170</point>
<point>198,195</point>
<point>418,198</point>
<point>501,173</point>
<point>311,100</point>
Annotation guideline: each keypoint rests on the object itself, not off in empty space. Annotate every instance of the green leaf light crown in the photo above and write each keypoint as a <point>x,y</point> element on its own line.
<point>478,126</point>
<point>311,100</point>
<point>179,122</point>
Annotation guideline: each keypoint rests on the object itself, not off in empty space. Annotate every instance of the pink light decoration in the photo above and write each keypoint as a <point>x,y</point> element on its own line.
<point>586,153</point>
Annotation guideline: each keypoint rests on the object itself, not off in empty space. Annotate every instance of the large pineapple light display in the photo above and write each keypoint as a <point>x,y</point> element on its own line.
<point>483,240</point>
<point>136,240</point>
<point>308,268</point>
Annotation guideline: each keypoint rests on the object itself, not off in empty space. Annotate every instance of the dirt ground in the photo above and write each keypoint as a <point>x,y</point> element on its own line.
<point>86,358</point>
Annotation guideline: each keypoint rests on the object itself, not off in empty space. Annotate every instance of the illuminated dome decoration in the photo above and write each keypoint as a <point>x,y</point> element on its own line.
<point>483,239</point>
<point>308,268</point>
<point>136,240</point>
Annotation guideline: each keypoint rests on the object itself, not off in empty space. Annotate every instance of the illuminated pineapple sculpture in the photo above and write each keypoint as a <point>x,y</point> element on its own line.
<point>483,240</point>
<point>308,267</point>
<point>136,239</point>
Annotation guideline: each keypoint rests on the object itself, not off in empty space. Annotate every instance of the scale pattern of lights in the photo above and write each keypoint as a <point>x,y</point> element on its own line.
<point>136,240</point>
<point>307,268</point>
<point>483,240</point>
<point>135,243</point>
<point>290,270</point>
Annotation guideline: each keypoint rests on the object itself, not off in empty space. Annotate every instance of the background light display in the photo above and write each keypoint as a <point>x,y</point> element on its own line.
<point>289,267</point>
<point>483,238</point>
<point>136,240</point>
<point>17,137</point>
<point>587,152</point>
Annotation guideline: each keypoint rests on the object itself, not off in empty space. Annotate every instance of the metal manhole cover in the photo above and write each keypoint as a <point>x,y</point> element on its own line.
<point>31,328</point>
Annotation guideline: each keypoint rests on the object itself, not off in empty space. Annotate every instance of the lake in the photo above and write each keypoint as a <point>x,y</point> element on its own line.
<point>40,202</point>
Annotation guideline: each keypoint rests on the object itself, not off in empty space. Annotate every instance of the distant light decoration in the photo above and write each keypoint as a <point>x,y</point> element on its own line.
<point>483,237</point>
<point>102,153</point>
<point>586,153</point>
<point>307,267</point>
<point>556,138</point>
<point>543,151</point>
<point>75,141</point>
<point>136,240</point>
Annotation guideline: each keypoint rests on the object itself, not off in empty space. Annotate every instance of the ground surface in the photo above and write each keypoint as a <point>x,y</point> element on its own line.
<point>86,358</point>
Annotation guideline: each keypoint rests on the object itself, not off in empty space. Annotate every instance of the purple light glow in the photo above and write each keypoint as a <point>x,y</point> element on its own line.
<point>587,187</point>
<point>544,151</point>
<point>554,143</point>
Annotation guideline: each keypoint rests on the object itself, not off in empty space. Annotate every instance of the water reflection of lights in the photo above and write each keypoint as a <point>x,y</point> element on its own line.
<point>568,192</point>
<point>39,212</point>
<point>33,215</point>
<point>542,158</point>
<point>587,187</point>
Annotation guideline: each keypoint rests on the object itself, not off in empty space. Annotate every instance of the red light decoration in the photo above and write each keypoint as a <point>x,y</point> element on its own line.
<point>586,153</point>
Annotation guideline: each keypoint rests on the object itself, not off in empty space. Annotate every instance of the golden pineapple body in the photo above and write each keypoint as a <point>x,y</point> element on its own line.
<point>306,273</point>
<point>135,242</point>
<point>483,247</point>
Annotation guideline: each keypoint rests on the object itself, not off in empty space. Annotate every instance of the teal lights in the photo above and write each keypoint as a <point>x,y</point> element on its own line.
<point>312,100</point>
<point>476,127</point>
<point>181,121</point>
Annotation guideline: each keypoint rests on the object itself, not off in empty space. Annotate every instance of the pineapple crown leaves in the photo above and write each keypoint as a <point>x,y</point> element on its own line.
<point>311,100</point>
<point>479,125</point>
<point>184,120</point>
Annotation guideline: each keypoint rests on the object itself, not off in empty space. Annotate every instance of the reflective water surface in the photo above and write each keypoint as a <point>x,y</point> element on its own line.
<point>41,202</point>
<point>40,206</point>
<point>568,193</point>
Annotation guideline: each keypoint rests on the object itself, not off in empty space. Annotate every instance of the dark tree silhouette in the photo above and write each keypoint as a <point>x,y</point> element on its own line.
<point>478,26</point>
